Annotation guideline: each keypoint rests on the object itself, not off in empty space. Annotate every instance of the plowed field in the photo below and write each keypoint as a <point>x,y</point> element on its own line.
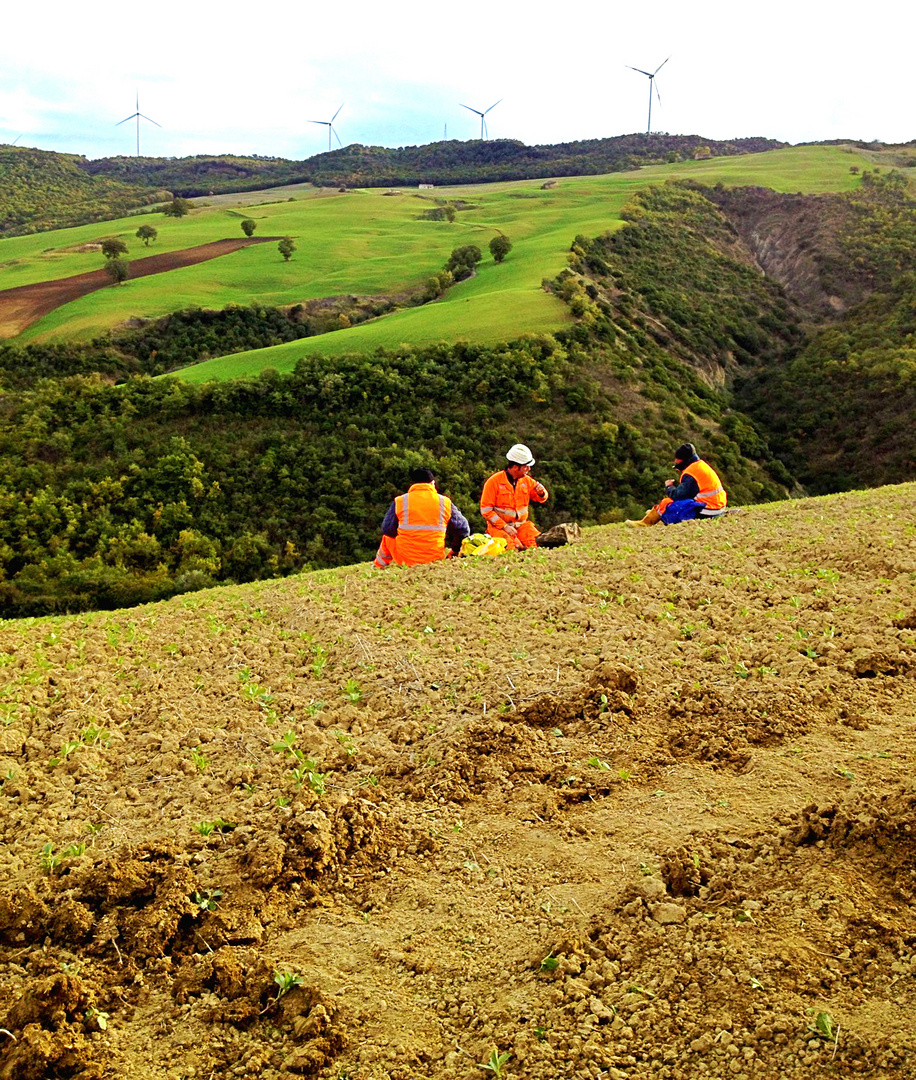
<point>22,306</point>
<point>639,807</point>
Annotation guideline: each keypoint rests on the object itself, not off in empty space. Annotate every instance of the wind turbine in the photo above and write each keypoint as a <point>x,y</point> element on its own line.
<point>651,75</point>
<point>483,123</point>
<point>138,116</point>
<point>330,127</point>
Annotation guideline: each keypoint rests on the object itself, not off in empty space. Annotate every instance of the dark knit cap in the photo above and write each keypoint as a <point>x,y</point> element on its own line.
<point>421,476</point>
<point>685,454</point>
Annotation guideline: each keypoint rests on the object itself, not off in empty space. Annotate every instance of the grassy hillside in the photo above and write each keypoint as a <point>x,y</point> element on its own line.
<point>372,243</point>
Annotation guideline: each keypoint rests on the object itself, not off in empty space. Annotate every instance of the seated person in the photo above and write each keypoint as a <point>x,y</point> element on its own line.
<point>697,493</point>
<point>505,499</point>
<point>420,525</point>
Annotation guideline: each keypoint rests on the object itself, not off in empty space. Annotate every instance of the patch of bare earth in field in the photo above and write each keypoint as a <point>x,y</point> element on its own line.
<point>26,304</point>
<point>639,807</point>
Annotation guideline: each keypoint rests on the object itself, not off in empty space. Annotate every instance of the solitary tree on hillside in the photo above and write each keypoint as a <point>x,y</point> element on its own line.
<point>117,270</point>
<point>500,246</point>
<point>286,247</point>
<point>463,260</point>
<point>147,233</point>
<point>113,247</point>
<point>248,226</point>
<point>176,208</point>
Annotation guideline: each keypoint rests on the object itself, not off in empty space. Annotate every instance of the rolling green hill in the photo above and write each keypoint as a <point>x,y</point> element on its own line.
<point>371,243</point>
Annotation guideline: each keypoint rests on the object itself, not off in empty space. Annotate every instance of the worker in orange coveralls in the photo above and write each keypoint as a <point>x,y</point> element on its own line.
<point>420,525</point>
<point>505,499</point>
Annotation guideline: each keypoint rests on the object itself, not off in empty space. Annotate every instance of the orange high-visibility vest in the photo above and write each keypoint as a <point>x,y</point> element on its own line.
<point>711,493</point>
<point>503,503</point>
<point>423,515</point>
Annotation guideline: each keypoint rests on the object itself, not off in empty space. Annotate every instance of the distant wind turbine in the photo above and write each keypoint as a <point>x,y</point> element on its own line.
<point>330,126</point>
<point>483,124</point>
<point>138,116</point>
<point>651,76</point>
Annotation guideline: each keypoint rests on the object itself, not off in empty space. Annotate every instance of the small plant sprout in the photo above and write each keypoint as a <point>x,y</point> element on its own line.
<point>623,774</point>
<point>495,1063</point>
<point>823,1026</point>
<point>207,828</point>
<point>549,963</point>
<point>98,1018</point>
<point>597,763</point>
<point>286,981</point>
<point>208,900</point>
<point>65,751</point>
<point>49,859</point>
<point>352,691</point>
<point>346,742</point>
<point>200,759</point>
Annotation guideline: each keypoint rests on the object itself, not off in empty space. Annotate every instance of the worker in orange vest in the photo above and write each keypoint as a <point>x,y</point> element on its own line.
<point>697,493</point>
<point>505,498</point>
<point>420,525</point>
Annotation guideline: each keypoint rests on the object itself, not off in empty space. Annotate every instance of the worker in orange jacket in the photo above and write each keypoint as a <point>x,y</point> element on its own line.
<point>505,498</point>
<point>420,525</point>
<point>697,493</point>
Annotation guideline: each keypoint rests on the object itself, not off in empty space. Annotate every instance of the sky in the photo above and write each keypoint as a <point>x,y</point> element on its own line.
<point>250,80</point>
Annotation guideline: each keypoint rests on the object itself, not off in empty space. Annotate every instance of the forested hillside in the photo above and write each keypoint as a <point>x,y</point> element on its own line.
<point>41,190</point>
<point>449,162</point>
<point>830,378</point>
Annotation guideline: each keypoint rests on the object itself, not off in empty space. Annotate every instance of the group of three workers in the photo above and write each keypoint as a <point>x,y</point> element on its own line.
<point>423,526</point>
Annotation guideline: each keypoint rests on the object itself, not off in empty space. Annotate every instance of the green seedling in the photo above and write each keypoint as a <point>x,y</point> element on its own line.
<point>623,774</point>
<point>99,1018</point>
<point>93,735</point>
<point>287,981</point>
<point>320,661</point>
<point>208,900</point>
<point>549,963</point>
<point>756,984</point>
<point>371,781</point>
<point>286,744</point>
<point>352,691</point>
<point>207,828</point>
<point>823,1027</point>
<point>308,770</point>
<point>845,773</point>
<point>346,742</point>
<point>314,708</point>
<point>495,1063</point>
<point>200,759</point>
<point>65,751</point>
<point>49,859</point>
<point>541,1033</point>
<point>597,763</point>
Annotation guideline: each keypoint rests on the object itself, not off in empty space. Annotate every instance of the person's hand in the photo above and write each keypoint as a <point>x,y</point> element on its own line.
<point>510,530</point>
<point>669,483</point>
<point>540,491</point>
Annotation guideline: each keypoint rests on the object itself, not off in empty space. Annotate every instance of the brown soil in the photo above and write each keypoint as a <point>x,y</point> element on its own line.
<point>22,306</point>
<point>638,807</point>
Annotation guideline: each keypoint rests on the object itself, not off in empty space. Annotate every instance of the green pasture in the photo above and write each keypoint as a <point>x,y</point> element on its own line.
<point>369,242</point>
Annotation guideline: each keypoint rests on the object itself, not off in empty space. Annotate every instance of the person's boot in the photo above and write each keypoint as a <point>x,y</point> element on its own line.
<point>652,517</point>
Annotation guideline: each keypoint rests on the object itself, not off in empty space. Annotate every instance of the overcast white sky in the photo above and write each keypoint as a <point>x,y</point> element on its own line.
<point>244,83</point>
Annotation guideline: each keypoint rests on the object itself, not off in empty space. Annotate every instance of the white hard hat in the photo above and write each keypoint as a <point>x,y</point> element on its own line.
<point>520,455</point>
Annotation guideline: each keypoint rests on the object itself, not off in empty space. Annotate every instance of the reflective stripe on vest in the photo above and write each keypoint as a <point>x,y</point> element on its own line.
<point>405,524</point>
<point>711,493</point>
